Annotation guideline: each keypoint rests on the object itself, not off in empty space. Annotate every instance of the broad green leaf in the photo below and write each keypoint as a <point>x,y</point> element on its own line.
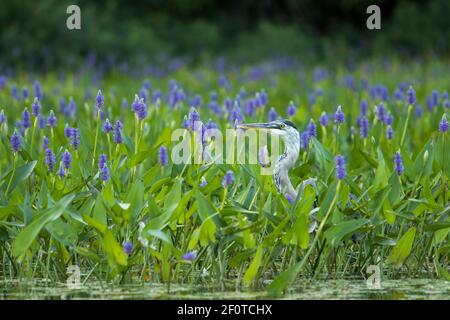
<point>403,248</point>
<point>20,174</point>
<point>253,268</point>
<point>336,233</point>
<point>26,237</point>
<point>114,250</point>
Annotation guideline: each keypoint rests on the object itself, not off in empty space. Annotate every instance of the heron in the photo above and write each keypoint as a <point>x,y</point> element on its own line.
<point>291,138</point>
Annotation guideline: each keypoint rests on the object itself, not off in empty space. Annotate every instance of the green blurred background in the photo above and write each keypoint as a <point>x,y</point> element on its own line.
<point>34,33</point>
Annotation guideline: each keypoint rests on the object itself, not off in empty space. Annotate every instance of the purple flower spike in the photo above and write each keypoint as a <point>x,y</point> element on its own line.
<point>117,134</point>
<point>26,119</point>
<point>364,128</point>
<point>51,120</point>
<point>311,129</point>
<point>163,157</point>
<point>189,256</point>
<point>263,157</point>
<point>61,173</point>
<point>323,120</point>
<point>102,159</point>
<point>41,121</point>
<point>66,160</point>
<point>45,143</point>
<point>289,198</point>
<point>340,167</point>
<point>381,112</point>
<point>203,182</point>
<point>142,110</point>
<point>389,133</point>
<point>398,162</point>
<point>291,109</point>
<point>363,107</point>
<point>443,125</point>
<point>127,248</point>
<point>67,131</point>
<point>104,173</point>
<point>411,96</point>
<point>272,115</point>
<point>339,116</point>
<point>75,138</point>
<point>35,107</point>
<point>107,126</point>
<point>193,117</point>
<point>228,179</point>
<point>50,159</point>
<point>99,101</point>
<point>16,144</point>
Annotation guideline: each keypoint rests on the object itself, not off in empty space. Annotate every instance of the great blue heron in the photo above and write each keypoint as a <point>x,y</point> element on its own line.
<point>291,138</point>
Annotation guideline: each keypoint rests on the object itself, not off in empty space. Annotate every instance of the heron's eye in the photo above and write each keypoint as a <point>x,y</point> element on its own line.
<point>282,125</point>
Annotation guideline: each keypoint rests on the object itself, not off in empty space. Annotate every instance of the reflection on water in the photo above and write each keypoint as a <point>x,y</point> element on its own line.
<point>322,289</point>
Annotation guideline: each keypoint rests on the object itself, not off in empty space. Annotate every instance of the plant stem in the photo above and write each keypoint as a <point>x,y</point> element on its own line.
<point>96,138</point>
<point>406,125</point>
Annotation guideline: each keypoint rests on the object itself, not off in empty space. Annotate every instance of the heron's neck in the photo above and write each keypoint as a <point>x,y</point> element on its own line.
<point>282,166</point>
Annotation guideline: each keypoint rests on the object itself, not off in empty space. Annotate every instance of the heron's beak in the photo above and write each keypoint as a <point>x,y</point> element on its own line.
<point>259,126</point>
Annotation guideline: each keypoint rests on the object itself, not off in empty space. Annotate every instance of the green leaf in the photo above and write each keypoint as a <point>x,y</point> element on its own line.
<point>336,233</point>
<point>252,270</point>
<point>114,250</point>
<point>99,213</point>
<point>20,174</point>
<point>403,248</point>
<point>26,237</point>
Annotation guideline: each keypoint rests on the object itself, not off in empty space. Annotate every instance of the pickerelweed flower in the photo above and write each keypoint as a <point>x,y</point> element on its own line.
<point>50,159</point>
<point>263,97</point>
<point>26,119</point>
<point>75,138</point>
<point>364,127</point>
<point>107,126</point>
<point>193,117</point>
<point>163,156</point>
<point>389,119</point>
<point>418,111</point>
<point>340,167</point>
<point>263,157</point>
<point>311,128</point>
<point>99,101</point>
<point>363,107</point>
<point>339,115</point>
<point>291,109</point>
<point>40,121</point>
<point>16,144</point>
<point>228,179</point>
<point>45,143</point>
<point>272,115</point>
<point>445,95</point>
<point>304,140</point>
<point>135,104</point>
<point>380,111</point>
<point>142,110</point>
<point>236,115</point>
<point>61,173</point>
<point>443,125</point>
<point>411,96</point>
<point>36,107</point>
<point>15,93</point>
<point>66,160</point>
<point>51,120</point>
<point>104,173</point>
<point>398,163</point>
<point>117,137</point>
<point>37,90</point>
<point>67,131</point>
<point>127,248</point>
<point>435,97</point>
<point>323,119</point>
<point>289,198</point>
<point>389,133</point>
<point>203,182</point>
<point>102,159</point>
<point>189,256</point>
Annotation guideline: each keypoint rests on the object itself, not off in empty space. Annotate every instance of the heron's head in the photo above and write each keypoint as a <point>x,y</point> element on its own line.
<point>282,128</point>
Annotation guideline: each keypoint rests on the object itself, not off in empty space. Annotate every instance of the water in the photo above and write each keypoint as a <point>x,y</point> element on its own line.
<point>322,289</point>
